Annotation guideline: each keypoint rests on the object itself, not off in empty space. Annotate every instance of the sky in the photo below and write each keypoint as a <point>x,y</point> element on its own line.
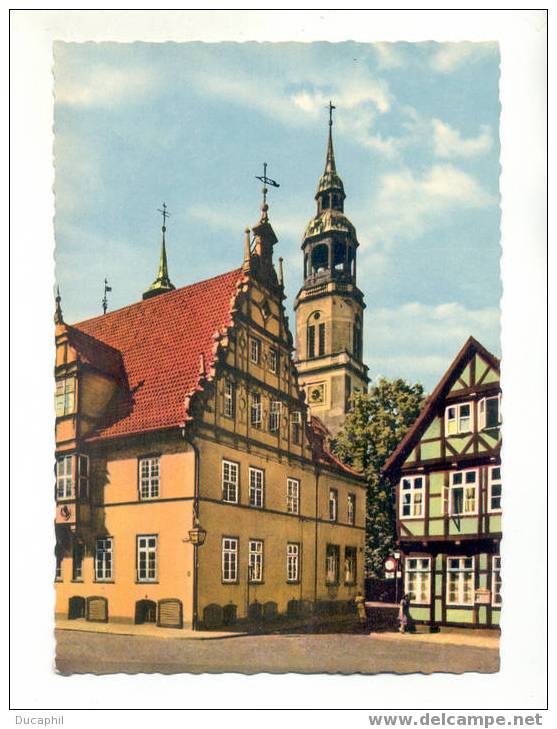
<point>416,145</point>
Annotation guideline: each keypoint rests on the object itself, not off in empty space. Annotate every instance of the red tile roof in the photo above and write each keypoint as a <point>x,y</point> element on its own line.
<point>161,341</point>
<point>97,354</point>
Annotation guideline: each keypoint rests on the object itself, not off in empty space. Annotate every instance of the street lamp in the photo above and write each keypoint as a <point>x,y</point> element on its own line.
<point>196,536</point>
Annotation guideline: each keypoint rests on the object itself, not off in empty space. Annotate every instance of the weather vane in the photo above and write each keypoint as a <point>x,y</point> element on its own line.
<point>266,181</point>
<point>107,288</point>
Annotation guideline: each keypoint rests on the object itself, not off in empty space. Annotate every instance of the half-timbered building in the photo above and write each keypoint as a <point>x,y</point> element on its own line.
<point>446,473</point>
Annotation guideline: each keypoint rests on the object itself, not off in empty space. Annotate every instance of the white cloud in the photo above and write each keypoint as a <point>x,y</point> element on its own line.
<point>408,204</point>
<point>101,85</point>
<point>449,143</point>
<point>388,55</point>
<point>431,334</point>
<point>450,56</point>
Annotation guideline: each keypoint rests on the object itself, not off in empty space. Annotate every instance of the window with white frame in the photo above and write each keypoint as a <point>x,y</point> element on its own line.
<point>77,561</point>
<point>104,563</point>
<point>147,558</point>
<point>350,556</point>
<point>463,496</point>
<point>412,490</point>
<point>417,579</point>
<point>274,415</point>
<point>333,504</point>
<point>149,477</point>
<point>292,562</point>
<point>494,488</point>
<point>273,360</point>
<point>255,409</point>
<point>496,582</point>
<point>228,399</point>
<point>256,487</point>
<point>296,420</point>
<point>351,509</point>
<point>460,581</point>
<point>489,412</point>
<point>292,495</point>
<point>255,560</point>
<point>64,477</point>
<point>229,559</point>
<point>65,396</point>
<point>255,350</point>
<point>230,482</point>
<point>332,560</point>
<point>458,419</point>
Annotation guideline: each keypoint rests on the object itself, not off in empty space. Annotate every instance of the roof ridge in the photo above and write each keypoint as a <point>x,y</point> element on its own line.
<point>154,299</point>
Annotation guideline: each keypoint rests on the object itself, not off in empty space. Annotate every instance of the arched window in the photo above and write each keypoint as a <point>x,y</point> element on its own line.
<point>357,338</point>
<point>316,333</point>
<point>339,255</point>
<point>320,258</point>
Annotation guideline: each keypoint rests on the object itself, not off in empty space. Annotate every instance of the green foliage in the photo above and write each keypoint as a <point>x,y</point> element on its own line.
<point>378,421</point>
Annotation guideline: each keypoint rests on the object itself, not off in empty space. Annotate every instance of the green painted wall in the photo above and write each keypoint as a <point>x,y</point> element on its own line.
<point>483,561</point>
<point>436,482</point>
<point>491,436</point>
<point>431,450</point>
<point>433,429</point>
<point>466,375</point>
<point>495,617</point>
<point>481,366</point>
<point>465,525</point>
<point>460,616</point>
<point>419,613</point>
<point>482,615</point>
<point>438,610</point>
<point>415,526</point>
<point>495,523</point>
<point>458,442</point>
<point>436,506</point>
<point>438,585</point>
<point>491,376</point>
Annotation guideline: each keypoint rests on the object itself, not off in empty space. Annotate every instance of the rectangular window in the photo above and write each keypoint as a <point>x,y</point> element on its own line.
<point>103,559</point>
<point>83,475</point>
<point>229,559</point>
<point>311,341</point>
<point>65,396</point>
<point>333,504</point>
<point>494,488</point>
<point>350,565</point>
<point>255,350</point>
<point>292,562</point>
<point>321,340</point>
<point>147,558</point>
<point>149,477</point>
<point>296,419</point>
<point>256,486</point>
<point>273,360</point>
<point>332,564</point>
<point>255,409</point>
<point>77,561</point>
<point>64,477</point>
<point>412,496</point>
<point>228,399</point>
<point>255,560</point>
<point>292,495</point>
<point>496,598</point>
<point>230,482</point>
<point>460,581</point>
<point>463,497</point>
<point>458,419</point>
<point>489,412</point>
<point>417,579</point>
<point>274,416</point>
<point>351,509</point>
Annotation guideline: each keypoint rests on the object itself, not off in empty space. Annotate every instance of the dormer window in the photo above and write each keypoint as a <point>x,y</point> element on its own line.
<point>65,396</point>
<point>489,412</point>
<point>458,419</point>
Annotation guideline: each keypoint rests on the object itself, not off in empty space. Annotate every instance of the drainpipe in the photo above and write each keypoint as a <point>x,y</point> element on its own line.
<point>195,581</point>
<point>315,557</point>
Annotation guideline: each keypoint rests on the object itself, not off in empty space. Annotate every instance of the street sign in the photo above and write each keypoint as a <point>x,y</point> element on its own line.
<point>390,564</point>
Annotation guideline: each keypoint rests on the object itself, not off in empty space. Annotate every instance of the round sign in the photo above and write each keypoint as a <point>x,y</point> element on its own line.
<point>390,564</point>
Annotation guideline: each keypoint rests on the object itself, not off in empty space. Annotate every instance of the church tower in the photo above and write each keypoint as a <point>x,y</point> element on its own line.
<point>330,307</point>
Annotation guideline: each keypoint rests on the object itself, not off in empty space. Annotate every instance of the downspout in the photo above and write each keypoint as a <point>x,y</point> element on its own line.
<point>315,558</point>
<point>195,520</point>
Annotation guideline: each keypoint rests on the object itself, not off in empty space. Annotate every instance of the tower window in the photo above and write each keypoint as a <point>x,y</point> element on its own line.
<point>311,341</point>
<point>321,340</point>
<point>320,258</point>
<point>339,256</point>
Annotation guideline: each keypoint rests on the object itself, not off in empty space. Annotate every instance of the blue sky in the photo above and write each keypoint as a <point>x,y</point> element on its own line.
<point>416,143</point>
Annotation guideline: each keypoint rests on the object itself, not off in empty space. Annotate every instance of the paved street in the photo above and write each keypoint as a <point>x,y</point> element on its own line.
<point>80,652</point>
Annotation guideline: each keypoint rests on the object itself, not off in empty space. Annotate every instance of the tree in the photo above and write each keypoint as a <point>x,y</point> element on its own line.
<point>373,428</point>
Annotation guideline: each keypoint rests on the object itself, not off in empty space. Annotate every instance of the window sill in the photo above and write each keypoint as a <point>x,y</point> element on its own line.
<point>146,582</point>
<point>104,582</point>
<point>79,580</point>
<point>293,582</point>
<point>256,583</point>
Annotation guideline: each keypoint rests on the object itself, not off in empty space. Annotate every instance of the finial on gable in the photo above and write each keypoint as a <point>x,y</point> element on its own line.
<point>58,316</point>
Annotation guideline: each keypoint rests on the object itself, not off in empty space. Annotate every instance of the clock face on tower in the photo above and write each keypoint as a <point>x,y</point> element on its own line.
<point>316,394</point>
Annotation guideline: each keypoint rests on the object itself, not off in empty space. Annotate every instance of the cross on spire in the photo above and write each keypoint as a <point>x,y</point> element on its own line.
<point>331,107</point>
<point>165,214</point>
<point>266,181</point>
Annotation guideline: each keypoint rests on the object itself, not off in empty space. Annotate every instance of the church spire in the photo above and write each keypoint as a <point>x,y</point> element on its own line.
<point>58,317</point>
<point>330,161</point>
<point>330,190</point>
<point>162,283</point>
